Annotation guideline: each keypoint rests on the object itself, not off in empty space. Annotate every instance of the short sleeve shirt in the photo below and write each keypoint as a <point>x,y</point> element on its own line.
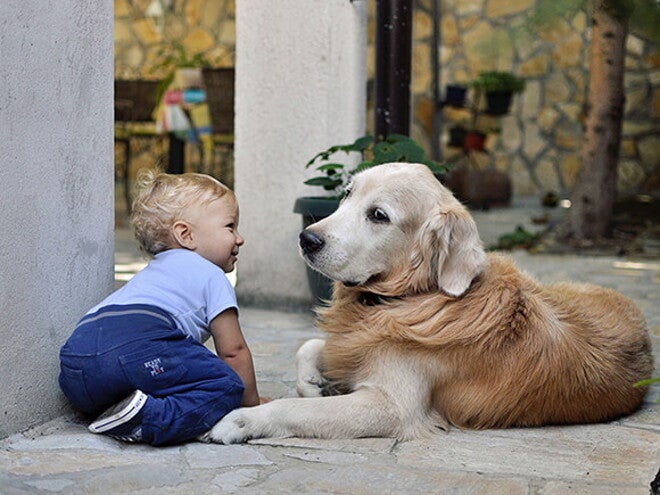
<point>189,287</point>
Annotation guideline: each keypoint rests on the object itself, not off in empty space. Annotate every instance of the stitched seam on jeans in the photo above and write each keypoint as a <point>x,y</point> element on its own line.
<point>91,319</point>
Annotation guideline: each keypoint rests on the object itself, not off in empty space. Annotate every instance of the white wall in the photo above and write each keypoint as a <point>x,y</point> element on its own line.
<point>300,87</point>
<point>56,183</point>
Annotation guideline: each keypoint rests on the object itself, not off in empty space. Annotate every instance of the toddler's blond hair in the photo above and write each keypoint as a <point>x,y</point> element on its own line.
<point>162,199</point>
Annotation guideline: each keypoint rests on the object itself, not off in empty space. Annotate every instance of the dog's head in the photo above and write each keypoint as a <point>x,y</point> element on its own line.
<point>398,231</point>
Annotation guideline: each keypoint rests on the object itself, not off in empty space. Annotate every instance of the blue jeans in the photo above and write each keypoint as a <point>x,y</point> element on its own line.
<point>120,349</point>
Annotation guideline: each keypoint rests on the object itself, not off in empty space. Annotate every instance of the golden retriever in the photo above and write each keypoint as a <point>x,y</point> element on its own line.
<point>425,329</point>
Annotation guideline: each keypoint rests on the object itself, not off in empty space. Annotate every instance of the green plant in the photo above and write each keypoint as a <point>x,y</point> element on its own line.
<point>648,381</point>
<point>392,148</point>
<point>519,238</point>
<point>498,81</point>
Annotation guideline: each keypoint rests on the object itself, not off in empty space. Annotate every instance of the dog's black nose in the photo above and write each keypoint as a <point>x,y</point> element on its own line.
<point>310,242</point>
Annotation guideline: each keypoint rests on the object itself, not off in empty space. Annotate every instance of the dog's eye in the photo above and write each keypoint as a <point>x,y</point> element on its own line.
<point>378,215</point>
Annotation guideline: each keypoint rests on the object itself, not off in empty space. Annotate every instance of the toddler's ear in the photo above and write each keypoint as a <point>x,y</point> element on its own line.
<point>183,234</point>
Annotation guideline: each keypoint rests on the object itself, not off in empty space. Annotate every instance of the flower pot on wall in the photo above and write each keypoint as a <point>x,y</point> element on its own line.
<point>312,210</point>
<point>498,102</point>
<point>455,95</point>
<point>456,136</point>
<point>475,141</point>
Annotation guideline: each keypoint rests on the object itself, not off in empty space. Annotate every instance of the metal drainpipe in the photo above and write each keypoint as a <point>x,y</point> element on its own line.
<point>436,149</point>
<point>393,55</point>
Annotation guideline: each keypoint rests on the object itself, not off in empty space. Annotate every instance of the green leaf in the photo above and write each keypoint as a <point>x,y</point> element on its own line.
<point>363,143</point>
<point>437,168</point>
<point>363,166</point>
<point>395,138</point>
<point>323,155</point>
<point>325,182</point>
<point>409,151</point>
<point>330,166</point>
<point>384,152</point>
<point>648,381</point>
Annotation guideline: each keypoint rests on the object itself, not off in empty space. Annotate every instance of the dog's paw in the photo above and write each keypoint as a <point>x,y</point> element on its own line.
<point>311,385</point>
<point>235,427</point>
<point>310,381</point>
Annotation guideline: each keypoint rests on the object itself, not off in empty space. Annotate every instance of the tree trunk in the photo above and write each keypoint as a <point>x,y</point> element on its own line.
<point>594,192</point>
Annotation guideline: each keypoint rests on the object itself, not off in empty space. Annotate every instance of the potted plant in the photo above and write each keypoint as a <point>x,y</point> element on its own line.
<point>455,95</point>
<point>334,177</point>
<point>499,88</point>
<point>180,68</point>
<point>474,140</point>
<point>457,136</point>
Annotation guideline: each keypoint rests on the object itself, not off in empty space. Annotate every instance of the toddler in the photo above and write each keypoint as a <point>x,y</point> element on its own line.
<point>139,354</point>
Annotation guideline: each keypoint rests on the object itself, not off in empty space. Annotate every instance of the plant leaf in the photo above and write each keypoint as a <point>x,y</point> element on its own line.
<point>363,166</point>
<point>326,182</point>
<point>363,143</point>
<point>330,166</point>
<point>648,381</point>
<point>409,151</point>
<point>395,138</point>
<point>384,152</point>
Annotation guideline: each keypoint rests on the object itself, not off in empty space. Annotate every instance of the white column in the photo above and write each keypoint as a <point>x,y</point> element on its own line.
<point>56,191</point>
<point>300,87</point>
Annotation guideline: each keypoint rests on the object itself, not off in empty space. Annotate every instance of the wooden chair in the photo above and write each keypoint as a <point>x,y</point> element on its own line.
<point>219,84</point>
<point>135,101</point>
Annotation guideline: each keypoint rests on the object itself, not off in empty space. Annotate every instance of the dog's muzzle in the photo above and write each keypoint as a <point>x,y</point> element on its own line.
<point>310,243</point>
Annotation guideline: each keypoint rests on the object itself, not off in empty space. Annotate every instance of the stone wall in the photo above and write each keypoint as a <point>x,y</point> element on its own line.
<point>537,143</point>
<point>199,26</point>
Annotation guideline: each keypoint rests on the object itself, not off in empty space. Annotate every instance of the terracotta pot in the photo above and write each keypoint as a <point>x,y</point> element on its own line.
<point>475,140</point>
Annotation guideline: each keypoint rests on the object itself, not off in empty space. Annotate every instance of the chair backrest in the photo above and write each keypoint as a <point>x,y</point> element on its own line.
<point>219,84</point>
<point>135,100</point>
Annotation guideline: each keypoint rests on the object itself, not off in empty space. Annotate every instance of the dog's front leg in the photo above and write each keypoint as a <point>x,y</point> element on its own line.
<point>363,413</point>
<point>310,381</point>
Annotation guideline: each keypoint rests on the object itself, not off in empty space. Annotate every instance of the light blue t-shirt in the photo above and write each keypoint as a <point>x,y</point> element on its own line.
<point>189,287</point>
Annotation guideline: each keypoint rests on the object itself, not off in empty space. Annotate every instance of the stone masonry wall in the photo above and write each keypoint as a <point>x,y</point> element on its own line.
<point>537,143</point>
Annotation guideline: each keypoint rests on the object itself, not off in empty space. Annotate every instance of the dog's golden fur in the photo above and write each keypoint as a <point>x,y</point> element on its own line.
<point>508,352</point>
<point>426,329</point>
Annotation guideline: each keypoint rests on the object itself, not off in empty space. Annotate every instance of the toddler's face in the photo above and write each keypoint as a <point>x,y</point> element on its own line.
<point>215,231</point>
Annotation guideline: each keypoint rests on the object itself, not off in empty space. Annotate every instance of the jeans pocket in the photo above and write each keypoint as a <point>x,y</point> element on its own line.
<point>72,383</point>
<point>153,369</point>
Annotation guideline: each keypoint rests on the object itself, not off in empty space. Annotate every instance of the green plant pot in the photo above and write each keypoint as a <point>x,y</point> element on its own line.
<point>312,210</point>
<point>498,102</point>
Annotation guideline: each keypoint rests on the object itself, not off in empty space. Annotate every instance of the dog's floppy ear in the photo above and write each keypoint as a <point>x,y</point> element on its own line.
<point>457,250</point>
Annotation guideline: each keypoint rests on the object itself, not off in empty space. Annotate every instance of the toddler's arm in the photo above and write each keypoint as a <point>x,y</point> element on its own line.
<point>233,350</point>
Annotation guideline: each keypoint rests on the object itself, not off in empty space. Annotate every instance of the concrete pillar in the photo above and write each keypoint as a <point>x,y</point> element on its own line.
<point>300,87</point>
<point>56,191</point>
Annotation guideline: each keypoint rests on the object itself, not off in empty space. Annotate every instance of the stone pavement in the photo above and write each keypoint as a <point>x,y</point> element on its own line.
<point>621,457</point>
